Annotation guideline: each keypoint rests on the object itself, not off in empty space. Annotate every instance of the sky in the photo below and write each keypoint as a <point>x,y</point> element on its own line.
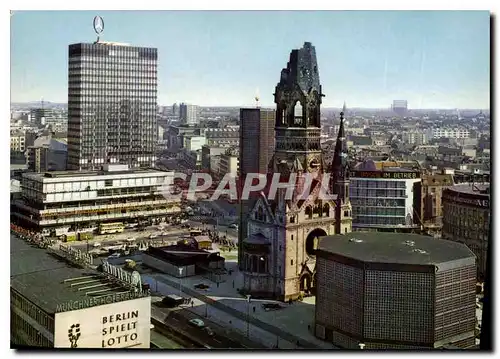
<point>432,59</point>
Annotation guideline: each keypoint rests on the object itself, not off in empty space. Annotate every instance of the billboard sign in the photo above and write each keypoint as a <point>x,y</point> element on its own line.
<point>115,326</point>
<point>476,202</point>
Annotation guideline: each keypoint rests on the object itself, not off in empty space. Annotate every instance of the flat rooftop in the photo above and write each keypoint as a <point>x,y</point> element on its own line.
<point>469,188</point>
<point>181,251</point>
<point>397,248</point>
<point>49,281</point>
<point>183,254</point>
<point>69,174</point>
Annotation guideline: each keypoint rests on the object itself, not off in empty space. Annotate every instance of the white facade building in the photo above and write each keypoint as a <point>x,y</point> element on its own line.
<point>415,138</point>
<point>194,143</point>
<point>384,199</point>
<point>229,163</point>
<point>85,199</point>
<point>448,133</point>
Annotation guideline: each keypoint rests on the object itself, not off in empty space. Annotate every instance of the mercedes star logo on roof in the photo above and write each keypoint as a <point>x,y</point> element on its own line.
<point>98,25</point>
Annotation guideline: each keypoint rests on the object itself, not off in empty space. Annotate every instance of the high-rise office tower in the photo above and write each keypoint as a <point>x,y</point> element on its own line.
<point>256,150</point>
<point>188,114</point>
<point>112,96</point>
<point>400,107</point>
<point>256,139</point>
<point>175,109</point>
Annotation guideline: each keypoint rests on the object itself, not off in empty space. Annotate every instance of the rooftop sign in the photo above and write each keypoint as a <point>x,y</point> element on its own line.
<point>98,25</point>
<point>385,174</point>
<point>101,300</point>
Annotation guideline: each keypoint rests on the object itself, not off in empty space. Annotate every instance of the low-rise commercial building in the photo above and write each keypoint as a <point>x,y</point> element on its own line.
<point>176,135</point>
<point>183,260</point>
<point>221,137</point>
<point>209,154</point>
<point>47,154</point>
<point>466,219</point>
<point>79,200</point>
<point>394,291</point>
<point>194,143</point>
<point>58,305</point>
<point>190,159</point>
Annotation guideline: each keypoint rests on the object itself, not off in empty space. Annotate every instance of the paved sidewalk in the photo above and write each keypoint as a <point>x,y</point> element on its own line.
<point>202,311</point>
<point>296,319</point>
<point>220,317</point>
<point>267,327</point>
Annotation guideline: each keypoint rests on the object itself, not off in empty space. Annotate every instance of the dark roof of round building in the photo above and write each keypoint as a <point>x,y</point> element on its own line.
<point>395,248</point>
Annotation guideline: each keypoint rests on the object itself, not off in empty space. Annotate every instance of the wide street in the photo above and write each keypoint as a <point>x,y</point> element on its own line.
<point>178,319</point>
<point>172,233</point>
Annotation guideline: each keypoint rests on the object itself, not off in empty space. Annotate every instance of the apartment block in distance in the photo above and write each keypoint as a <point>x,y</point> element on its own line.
<point>112,95</point>
<point>62,202</point>
<point>188,114</point>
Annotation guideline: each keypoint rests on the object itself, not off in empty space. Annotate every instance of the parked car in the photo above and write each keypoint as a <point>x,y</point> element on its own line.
<point>197,323</point>
<point>271,306</point>
<point>233,226</point>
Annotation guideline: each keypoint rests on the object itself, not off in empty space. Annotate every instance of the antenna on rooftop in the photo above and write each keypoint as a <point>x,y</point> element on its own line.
<point>257,98</point>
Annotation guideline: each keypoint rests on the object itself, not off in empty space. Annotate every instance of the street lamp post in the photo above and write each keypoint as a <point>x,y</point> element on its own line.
<point>248,315</point>
<point>180,280</point>
<point>277,336</point>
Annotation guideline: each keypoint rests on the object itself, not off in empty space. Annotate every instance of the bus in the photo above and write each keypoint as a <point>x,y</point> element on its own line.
<point>108,228</point>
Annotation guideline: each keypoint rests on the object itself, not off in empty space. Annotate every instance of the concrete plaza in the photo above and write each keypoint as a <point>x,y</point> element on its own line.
<point>290,324</point>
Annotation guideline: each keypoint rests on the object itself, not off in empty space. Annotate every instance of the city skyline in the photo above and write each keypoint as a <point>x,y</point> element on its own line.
<point>221,58</point>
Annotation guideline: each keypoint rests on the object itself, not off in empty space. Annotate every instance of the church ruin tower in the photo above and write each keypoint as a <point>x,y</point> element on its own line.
<point>278,255</point>
<point>298,98</point>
